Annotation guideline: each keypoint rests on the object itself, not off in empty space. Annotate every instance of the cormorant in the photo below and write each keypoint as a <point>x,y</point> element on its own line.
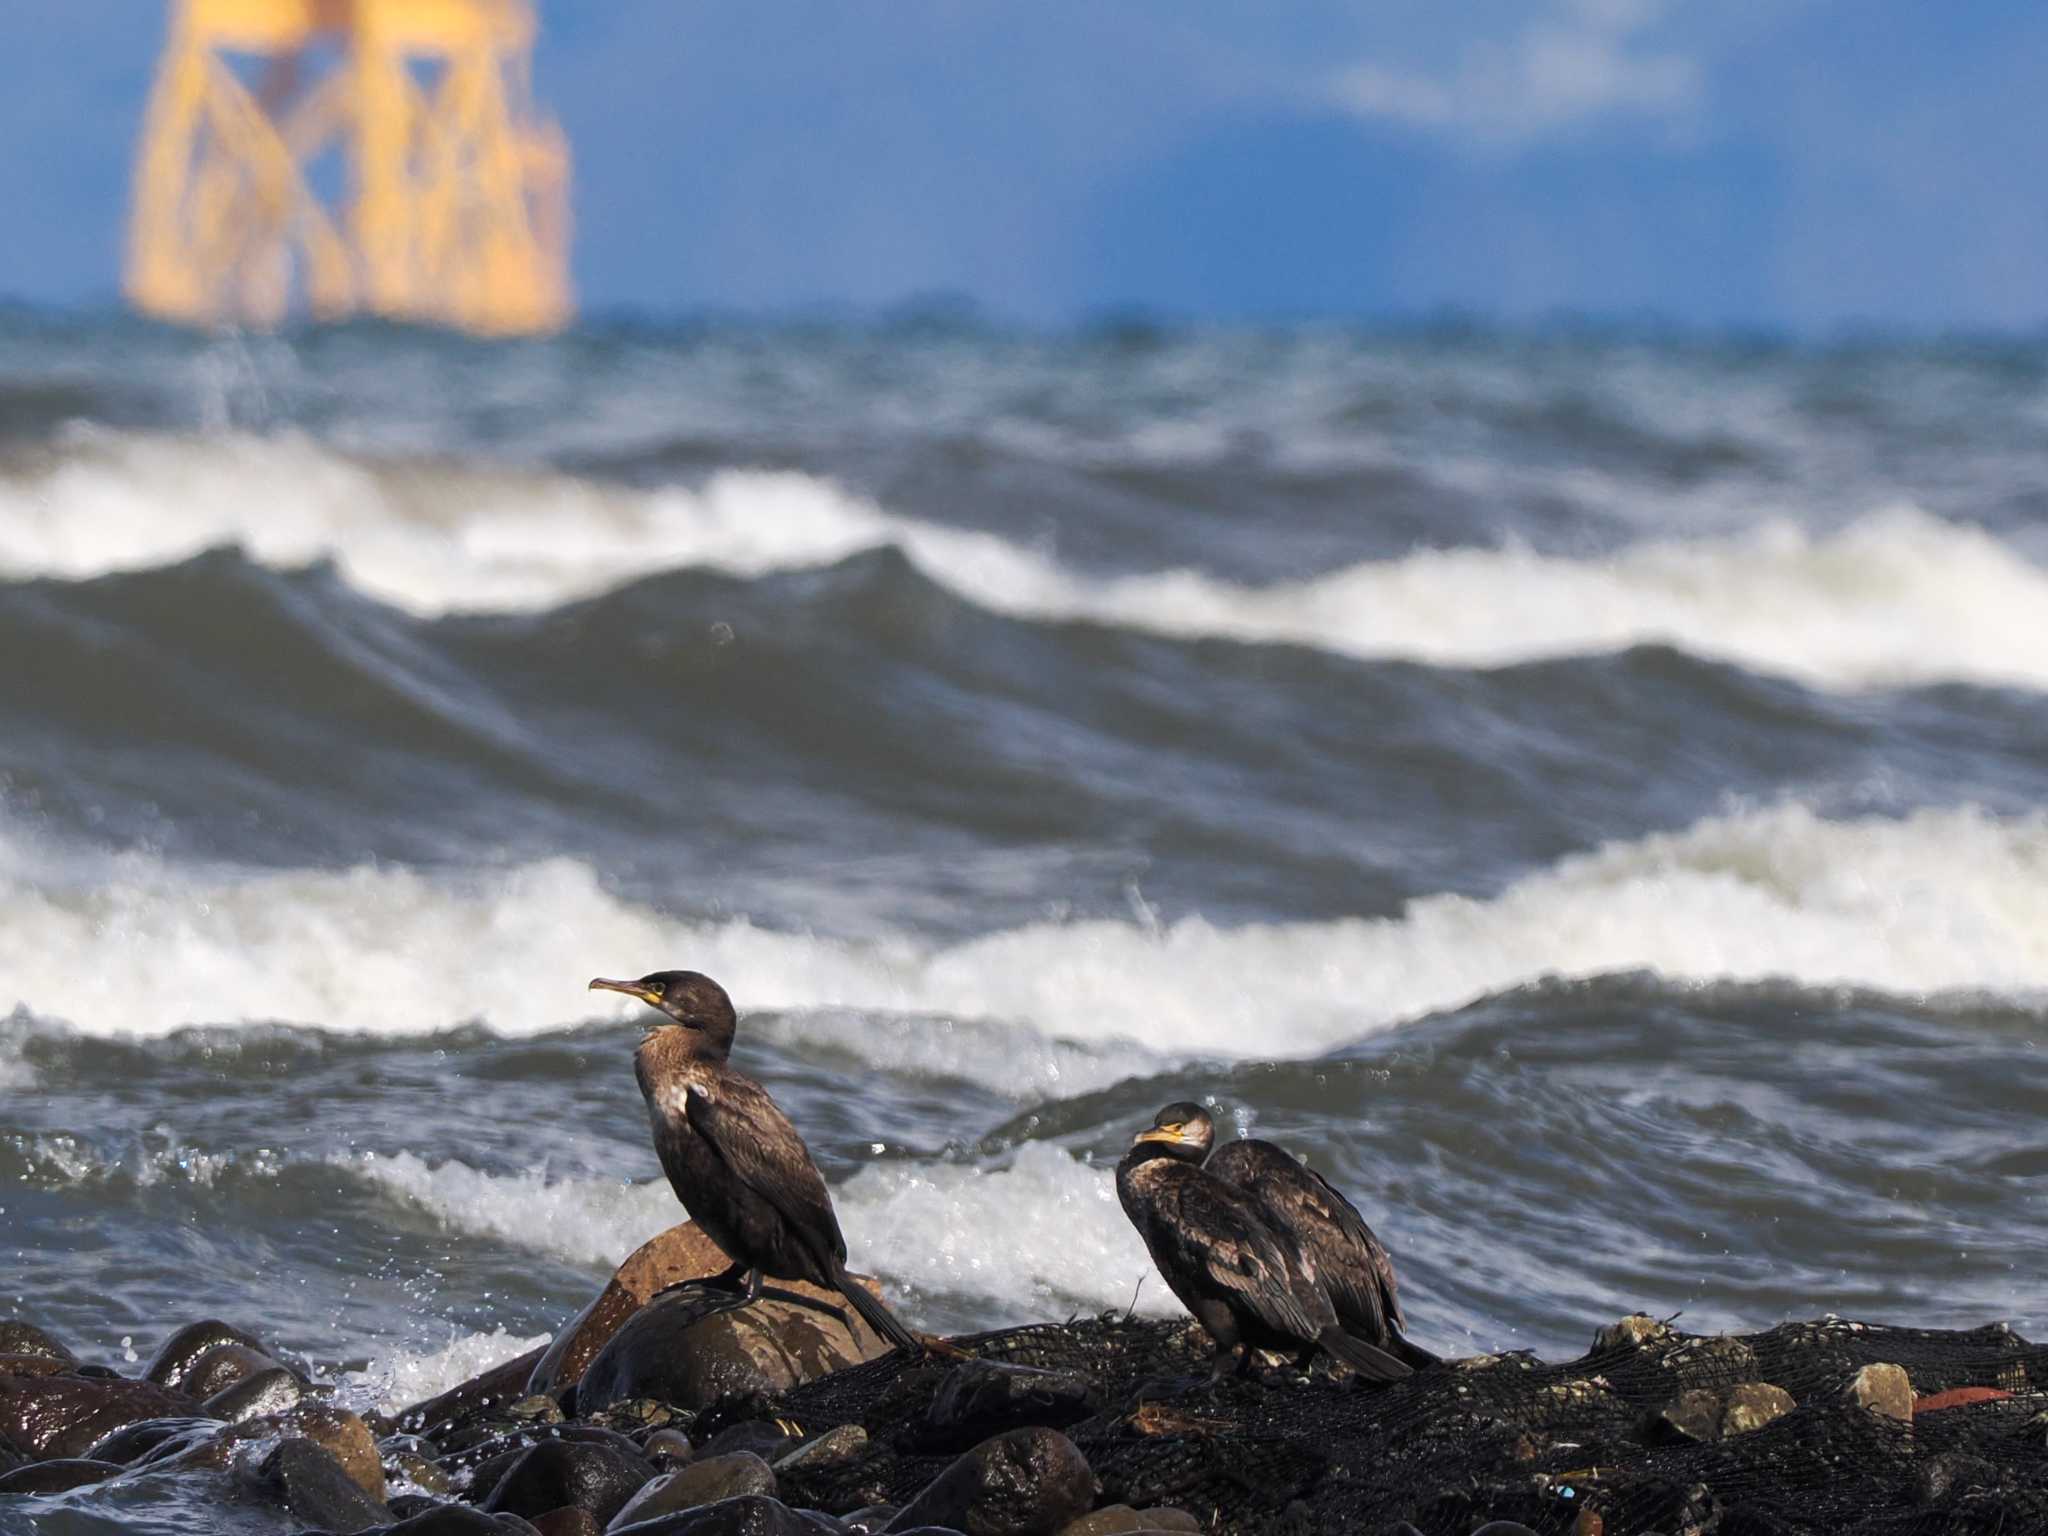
<point>734,1160</point>
<point>1303,1207</point>
<point>1241,1280</point>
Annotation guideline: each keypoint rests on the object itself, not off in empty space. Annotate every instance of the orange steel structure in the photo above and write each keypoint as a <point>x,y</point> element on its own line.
<point>347,156</point>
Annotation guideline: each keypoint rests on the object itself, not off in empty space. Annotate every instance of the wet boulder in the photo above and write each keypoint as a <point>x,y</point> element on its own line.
<point>63,1415</point>
<point>481,1466</point>
<point>751,1514</point>
<point>703,1482</point>
<point>669,1449</point>
<point>19,1338</point>
<point>463,1405</point>
<point>685,1348</point>
<point>178,1354</point>
<point>835,1447</point>
<point>766,1438</point>
<point>316,1489</point>
<point>272,1391</point>
<point>224,1366</point>
<point>1028,1482</point>
<point>131,1442</point>
<point>980,1398</point>
<point>58,1476</point>
<point>568,1521</point>
<point>558,1473</point>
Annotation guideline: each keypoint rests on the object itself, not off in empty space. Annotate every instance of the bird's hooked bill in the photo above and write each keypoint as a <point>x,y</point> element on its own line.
<point>1170,1134</point>
<point>630,988</point>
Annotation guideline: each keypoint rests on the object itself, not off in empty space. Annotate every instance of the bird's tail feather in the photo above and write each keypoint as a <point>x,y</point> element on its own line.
<point>877,1316</point>
<point>1369,1361</point>
<point>1413,1354</point>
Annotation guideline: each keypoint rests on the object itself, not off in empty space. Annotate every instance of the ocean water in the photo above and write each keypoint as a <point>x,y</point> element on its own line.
<point>1587,793</point>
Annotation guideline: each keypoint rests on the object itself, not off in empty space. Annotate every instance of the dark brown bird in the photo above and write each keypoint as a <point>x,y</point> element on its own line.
<point>731,1155</point>
<point>1305,1209</point>
<point>1242,1281</point>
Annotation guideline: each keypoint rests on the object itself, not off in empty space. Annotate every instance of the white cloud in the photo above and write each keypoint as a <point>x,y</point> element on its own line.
<point>1583,63</point>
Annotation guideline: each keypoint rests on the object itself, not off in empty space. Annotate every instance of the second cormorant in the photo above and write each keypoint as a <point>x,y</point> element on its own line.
<point>1303,1207</point>
<point>1242,1281</point>
<point>731,1155</point>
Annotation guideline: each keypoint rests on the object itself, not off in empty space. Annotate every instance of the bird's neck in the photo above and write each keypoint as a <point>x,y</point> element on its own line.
<point>668,1052</point>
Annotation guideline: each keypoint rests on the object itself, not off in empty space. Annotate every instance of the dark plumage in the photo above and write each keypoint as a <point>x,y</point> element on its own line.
<point>1241,1280</point>
<point>731,1155</point>
<point>1353,1265</point>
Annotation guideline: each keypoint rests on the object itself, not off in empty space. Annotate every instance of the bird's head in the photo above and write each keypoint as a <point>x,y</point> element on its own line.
<point>685,1000</point>
<point>1182,1130</point>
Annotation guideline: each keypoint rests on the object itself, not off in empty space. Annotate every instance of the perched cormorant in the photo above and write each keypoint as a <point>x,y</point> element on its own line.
<point>1303,1207</point>
<point>1241,1280</point>
<point>734,1160</point>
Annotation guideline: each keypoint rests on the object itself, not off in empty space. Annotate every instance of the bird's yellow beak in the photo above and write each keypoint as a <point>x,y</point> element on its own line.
<point>1170,1134</point>
<point>630,988</point>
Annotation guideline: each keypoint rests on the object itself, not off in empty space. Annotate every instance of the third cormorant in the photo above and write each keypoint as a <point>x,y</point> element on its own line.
<point>1242,1281</point>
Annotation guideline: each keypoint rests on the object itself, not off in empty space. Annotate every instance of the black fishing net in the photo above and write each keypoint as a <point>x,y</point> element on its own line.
<point>1510,1437</point>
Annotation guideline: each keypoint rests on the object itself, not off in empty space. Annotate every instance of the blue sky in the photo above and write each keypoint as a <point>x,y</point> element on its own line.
<point>1802,164</point>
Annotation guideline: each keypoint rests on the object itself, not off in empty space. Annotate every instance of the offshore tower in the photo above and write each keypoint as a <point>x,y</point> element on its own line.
<point>339,157</point>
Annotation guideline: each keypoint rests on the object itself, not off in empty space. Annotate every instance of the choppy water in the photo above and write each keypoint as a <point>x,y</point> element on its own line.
<point>1589,794</point>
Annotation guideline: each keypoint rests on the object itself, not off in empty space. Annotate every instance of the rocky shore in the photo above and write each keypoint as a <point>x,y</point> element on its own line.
<point>659,1415</point>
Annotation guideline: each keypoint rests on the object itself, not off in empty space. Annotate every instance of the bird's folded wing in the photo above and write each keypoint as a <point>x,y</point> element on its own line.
<point>1221,1232</point>
<point>755,1139</point>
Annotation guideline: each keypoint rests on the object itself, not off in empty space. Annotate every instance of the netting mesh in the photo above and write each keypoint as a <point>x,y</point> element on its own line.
<point>1507,1437</point>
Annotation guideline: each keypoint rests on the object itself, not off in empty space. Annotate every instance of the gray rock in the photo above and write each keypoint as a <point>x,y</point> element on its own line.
<point>19,1338</point>
<point>980,1398</point>
<point>568,1522</point>
<point>870,1517</point>
<point>1751,1405</point>
<point>1111,1520</point>
<point>177,1355</point>
<point>766,1438</point>
<point>1692,1417</point>
<point>707,1481</point>
<point>1632,1332</point>
<point>1029,1482</point>
<point>556,1473</point>
<point>669,1449</point>
<point>846,1443</point>
<point>317,1489</point>
<point>58,1476</point>
<point>272,1391</point>
<point>445,1520</point>
<point>1884,1390</point>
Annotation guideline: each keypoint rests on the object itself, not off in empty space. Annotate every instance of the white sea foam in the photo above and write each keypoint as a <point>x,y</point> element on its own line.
<point>1895,598</point>
<point>926,1228</point>
<point>1941,901</point>
<point>406,1376</point>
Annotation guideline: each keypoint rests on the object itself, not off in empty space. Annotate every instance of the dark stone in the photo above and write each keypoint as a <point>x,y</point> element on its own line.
<point>222,1367</point>
<point>766,1438</point>
<point>463,1405</point>
<point>19,1338</point>
<point>555,1473</point>
<point>669,1449</point>
<point>751,1514</point>
<point>485,1464</point>
<point>1504,1528</point>
<point>1691,1418</point>
<point>1028,1482</point>
<point>183,1349</point>
<point>980,1398</point>
<point>317,1489</point>
<point>270,1391</point>
<point>52,1416</point>
<point>130,1443</point>
<point>57,1476</point>
<point>568,1522</point>
<point>702,1482</point>
<point>680,1349</point>
<point>37,1365</point>
<point>445,1520</point>
<point>869,1517</point>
